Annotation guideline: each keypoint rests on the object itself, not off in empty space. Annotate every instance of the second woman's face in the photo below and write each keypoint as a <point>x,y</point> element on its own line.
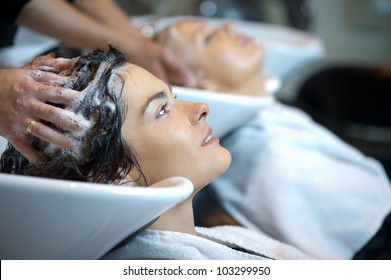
<point>169,137</point>
<point>222,54</point>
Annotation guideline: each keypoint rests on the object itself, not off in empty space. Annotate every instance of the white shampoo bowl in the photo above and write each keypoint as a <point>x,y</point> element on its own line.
<point>227,111</point>
<point>59,219</point>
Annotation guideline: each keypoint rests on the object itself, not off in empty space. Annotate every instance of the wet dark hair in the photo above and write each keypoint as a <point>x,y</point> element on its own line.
<point>99,155</point>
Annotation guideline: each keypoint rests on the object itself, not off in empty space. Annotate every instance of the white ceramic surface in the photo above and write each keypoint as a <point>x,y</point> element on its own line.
<point>227,111</point>
<point>58,219</point>
<point>27,45</point>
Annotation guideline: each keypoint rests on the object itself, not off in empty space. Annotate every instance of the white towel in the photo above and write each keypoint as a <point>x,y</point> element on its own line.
<point>3,145</point>
<point>252,241</point>
<point>211,244</point>
<point>300,184</point>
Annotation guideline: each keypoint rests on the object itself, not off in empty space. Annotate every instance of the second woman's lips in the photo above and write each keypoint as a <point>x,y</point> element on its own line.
<point>245,40</point>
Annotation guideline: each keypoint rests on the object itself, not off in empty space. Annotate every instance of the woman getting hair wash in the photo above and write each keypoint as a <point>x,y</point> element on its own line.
<point>136,132</point>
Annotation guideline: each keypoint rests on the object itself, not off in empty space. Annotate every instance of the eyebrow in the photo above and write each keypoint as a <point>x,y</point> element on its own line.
<point>159,95</point>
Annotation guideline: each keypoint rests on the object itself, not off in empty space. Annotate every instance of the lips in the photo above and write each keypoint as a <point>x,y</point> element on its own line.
<point>207,140</point>
<point>208,136</point>
<point>245,40</point>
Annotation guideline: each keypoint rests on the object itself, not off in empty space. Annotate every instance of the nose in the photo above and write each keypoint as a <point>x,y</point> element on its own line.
<point>199,111</point>
<point>227,27</point>
<point>203,111</point>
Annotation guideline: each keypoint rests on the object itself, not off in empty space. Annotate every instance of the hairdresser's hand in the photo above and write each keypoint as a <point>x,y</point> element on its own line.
<point>160,62</point>
<point>23,93</point>
<point>177,73</point>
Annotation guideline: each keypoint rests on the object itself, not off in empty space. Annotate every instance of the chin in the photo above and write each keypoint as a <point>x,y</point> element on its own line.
<point>208,177</point>
<point>228,162</point>
<point>224,162</point>
<point>198,185</point>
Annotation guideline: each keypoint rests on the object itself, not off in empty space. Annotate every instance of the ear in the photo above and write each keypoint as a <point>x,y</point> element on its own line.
<point>127,181</point>
<point>135,178</point>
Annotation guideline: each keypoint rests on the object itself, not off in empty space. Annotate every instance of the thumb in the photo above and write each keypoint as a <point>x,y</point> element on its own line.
<point>177,73</point>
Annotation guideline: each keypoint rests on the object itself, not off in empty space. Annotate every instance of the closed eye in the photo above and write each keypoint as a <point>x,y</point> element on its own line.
<point>209,38</point>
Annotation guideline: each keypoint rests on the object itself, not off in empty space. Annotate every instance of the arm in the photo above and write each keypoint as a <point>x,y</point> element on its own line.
<point>99,9</point>
<point>91,24</point>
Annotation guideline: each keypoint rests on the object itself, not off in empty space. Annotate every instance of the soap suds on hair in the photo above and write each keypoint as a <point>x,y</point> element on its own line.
<point>84,107</point>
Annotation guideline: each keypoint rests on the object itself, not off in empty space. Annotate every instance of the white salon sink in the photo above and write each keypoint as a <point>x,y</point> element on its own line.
<point>227,111</point>
<point>59,219</point>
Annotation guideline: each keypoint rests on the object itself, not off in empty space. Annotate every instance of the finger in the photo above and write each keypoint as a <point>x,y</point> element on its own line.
<point>48,77</point>
<point>48,63</point>
<point>59,117</point>
<point>178,73</point>
<point>25,148</point>
<point>50,55</point>
<point>50,135</point>
<point>158,70</point>
<point>58,95</point>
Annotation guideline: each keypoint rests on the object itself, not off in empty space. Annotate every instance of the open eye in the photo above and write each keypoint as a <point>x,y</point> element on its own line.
<point>162,111</point>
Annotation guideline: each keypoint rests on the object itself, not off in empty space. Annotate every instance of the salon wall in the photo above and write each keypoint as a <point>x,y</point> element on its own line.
<point>354,32</point>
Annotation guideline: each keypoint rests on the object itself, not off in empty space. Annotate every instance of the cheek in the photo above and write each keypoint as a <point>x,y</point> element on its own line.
<point>230,66</point>
<point>164,154</point>
<point>173,146</point>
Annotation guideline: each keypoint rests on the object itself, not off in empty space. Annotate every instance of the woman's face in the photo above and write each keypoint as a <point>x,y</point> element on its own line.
<point>169,137</point>
<point>219,53</point>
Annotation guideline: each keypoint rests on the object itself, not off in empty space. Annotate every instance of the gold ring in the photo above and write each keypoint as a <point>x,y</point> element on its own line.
<point>30,126</point>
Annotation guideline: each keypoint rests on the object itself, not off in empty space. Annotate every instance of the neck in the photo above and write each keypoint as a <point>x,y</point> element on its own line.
<point>253,86</point>
<point>179,218</point>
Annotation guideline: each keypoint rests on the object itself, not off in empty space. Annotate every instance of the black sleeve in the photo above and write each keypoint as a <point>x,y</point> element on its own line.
<point>7,18</point>
<point>9,14</point>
